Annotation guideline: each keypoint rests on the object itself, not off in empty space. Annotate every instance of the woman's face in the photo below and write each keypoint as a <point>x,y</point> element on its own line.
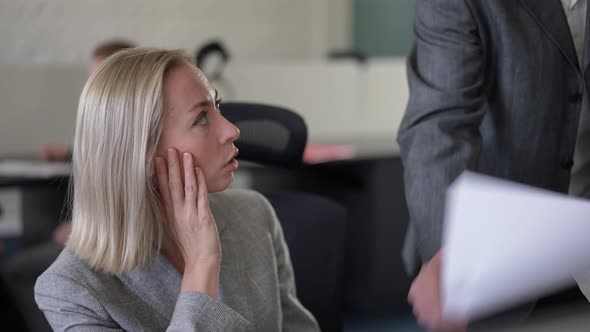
<point>192,123</point>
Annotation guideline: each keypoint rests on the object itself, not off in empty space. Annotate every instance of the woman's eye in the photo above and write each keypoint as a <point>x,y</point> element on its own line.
<point>201,119</point>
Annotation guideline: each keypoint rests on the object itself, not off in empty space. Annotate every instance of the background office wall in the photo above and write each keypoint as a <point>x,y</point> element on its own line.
<point>341,101</point>
<point>46,44</point>
<point>383,27</point>
<point>278,47</point>
<point>37,106</point>
<point>64,31</point>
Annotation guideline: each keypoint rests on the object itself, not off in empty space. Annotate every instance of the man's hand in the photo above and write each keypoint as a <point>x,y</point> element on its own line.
<point>425,298</point>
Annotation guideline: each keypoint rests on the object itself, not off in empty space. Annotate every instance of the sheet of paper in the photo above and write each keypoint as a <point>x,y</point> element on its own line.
<point>506,244</point>
<point>33,169</point>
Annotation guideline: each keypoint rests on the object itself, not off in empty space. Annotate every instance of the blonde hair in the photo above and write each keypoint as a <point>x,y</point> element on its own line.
<point>117,224</point>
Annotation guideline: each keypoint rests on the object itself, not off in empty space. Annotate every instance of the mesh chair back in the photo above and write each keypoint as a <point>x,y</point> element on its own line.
<point>269,135</point>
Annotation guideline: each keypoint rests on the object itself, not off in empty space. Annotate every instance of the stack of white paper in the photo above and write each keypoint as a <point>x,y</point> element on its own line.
<point>506,244</point>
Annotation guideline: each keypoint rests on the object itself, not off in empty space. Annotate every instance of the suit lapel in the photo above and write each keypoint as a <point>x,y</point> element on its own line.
<point>551,17</point>
<point>586,40</point>
<point>158,285</point>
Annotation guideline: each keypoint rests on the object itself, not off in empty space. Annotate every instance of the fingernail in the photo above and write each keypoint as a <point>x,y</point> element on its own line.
<point>186,156</point>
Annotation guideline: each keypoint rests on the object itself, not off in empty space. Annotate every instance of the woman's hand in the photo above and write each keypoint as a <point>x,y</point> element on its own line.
<point>191,223</point>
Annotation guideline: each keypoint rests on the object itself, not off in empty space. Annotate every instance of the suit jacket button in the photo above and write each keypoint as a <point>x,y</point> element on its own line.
<point>567,164</point>
<point>575,98</point>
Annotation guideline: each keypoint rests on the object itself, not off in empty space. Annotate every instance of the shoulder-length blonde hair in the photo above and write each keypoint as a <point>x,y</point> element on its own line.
<point>117,224</point>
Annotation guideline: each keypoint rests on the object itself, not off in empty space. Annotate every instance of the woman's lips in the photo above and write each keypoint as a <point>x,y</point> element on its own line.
<point>232,165</point>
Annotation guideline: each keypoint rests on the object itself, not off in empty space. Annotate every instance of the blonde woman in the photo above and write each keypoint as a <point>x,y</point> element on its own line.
<point>150,248</point>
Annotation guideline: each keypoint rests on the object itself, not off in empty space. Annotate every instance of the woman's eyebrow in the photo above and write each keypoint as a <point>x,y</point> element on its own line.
<point>201,104</point>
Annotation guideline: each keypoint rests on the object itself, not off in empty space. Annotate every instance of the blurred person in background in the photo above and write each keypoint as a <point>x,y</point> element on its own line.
<point>58,152</point>
<point>157,241</point>
<point>21,270</point>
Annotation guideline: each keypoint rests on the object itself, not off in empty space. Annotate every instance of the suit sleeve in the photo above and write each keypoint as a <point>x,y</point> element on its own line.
<point>198,312</point>
<point>69,306</point>
<point>295,316</point>
<point>439,135</point>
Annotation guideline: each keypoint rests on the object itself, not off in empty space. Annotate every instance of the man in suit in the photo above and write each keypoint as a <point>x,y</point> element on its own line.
<point>497,87</point>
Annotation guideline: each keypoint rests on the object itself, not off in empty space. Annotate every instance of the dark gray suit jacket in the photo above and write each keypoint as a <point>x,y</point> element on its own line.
<point>495,87</point>
<point>256,291</point>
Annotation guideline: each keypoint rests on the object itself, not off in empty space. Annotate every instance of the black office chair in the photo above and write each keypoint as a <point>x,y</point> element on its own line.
<point>315,230</point>
<point>314,226</point>
<point>270,135</point>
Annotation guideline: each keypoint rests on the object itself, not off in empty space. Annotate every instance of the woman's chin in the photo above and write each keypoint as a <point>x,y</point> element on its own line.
<point>222,184</point>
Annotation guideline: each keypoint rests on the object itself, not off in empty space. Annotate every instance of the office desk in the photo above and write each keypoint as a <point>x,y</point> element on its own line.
<point>40,203</point>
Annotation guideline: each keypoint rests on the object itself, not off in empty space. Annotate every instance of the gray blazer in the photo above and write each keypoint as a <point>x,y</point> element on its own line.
<point>256,291</point>
<point>495,87</point>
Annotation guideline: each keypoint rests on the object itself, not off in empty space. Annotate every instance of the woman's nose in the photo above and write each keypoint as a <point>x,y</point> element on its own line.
<point>230,131</point>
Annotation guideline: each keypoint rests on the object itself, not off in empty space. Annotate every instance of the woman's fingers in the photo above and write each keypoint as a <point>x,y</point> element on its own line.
<point>174,180</point>
<point>190,181</point>
<point>184,193</point>
<point>203,198</point>
<point>162,173</point>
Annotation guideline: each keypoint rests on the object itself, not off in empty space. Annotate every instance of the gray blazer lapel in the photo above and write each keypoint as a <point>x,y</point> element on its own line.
<point>157,284</point>
<point>551,17</point>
